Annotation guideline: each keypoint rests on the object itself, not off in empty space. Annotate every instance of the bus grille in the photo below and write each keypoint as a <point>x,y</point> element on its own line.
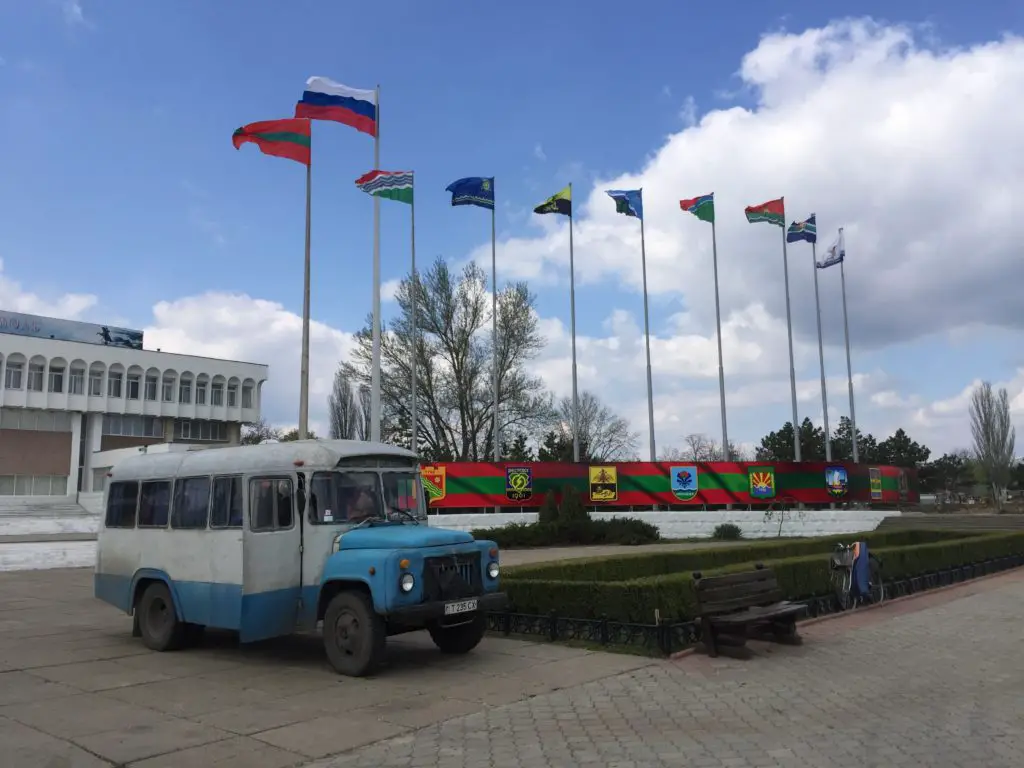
<point>452,577</point>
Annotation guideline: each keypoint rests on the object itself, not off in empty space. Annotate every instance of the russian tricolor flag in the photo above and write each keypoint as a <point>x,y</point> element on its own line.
<point>325,99</point>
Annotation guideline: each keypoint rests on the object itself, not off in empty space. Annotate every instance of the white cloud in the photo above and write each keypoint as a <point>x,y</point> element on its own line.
<point>538,152</point>
<point>69,306</point>
<point>916,151</point>
<point>74,14</point>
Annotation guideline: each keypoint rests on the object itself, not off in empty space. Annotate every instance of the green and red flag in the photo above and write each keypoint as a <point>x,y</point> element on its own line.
<point>774,212</point>
<point>289,138</point>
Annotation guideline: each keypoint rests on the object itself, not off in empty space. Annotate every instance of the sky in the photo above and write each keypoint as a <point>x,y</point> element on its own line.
<point>122,200</point>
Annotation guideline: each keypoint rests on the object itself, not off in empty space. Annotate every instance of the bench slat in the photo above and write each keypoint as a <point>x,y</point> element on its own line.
<point>752,615</point>
<point>730,579</point>
<point>739,603</point>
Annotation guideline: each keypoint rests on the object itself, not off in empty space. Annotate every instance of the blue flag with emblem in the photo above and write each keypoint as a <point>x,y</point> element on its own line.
<point>803,230</point>
<point>628,201</point>
<point>473,190</point>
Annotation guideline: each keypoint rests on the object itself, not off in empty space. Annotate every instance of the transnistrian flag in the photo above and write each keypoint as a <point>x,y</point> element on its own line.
<point>774,212</point>
<point>803,230</point>
<point>702,207</point>
<point>628,201</point>
<point>281,138</point>
<point>324,99</point>
<point>393,185</point>
<point>835,254</point>
<point>473,190</point>
<point>560,202</point>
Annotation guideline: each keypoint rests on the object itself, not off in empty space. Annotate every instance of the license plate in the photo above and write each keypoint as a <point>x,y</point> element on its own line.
<point>463,606</point>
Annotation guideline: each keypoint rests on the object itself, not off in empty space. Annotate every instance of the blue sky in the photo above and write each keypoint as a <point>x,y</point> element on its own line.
<point>120,180</point>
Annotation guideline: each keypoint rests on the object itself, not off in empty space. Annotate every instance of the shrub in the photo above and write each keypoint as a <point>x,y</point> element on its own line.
<point>620,530</point>
<point>572,509</point>
<point>727,532</point>
<point>800,577</point>
<point>548,512</point>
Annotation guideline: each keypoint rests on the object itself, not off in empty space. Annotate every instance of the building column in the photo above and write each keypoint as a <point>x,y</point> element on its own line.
<point>76,453</point>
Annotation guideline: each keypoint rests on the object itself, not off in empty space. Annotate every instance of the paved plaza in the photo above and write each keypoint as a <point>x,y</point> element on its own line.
<point>935,681</point>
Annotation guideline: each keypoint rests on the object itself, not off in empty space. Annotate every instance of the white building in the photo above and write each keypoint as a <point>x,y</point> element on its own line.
<point>74,397</point>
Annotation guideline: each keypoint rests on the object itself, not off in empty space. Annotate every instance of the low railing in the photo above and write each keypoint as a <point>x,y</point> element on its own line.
<point>668,637</point>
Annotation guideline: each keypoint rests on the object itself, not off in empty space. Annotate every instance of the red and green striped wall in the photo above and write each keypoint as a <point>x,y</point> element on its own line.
<point>456,485</point>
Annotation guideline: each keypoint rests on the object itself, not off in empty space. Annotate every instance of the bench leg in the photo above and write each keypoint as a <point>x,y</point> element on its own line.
<point>707,634</point>
<point>784,631</point>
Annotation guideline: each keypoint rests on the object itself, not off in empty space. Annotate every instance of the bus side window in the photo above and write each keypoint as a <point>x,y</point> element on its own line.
<point>271,502</point>
<point>155,504</point>
<point>191,502</point>
<point>122,499</point>
<point>226,509</point>
<point>321,507</point>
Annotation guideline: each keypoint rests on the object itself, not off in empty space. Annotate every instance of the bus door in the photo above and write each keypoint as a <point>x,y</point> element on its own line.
<point>272,559</point>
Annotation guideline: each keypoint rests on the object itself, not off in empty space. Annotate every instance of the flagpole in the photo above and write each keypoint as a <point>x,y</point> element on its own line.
<point>849,367</point>
<point>494,331</point>
<point>726,453</point>
<point>789,328</point>
<point>572,321</point>
<point>821,350</point>
<point>304,374</point>
<point>415,333</point>
<point>375,362</point>
<point>647,338</point>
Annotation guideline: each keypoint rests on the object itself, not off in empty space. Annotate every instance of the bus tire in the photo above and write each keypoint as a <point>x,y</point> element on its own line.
<point>461,638</point>
<point>158,622</point>
<point>354,635</point>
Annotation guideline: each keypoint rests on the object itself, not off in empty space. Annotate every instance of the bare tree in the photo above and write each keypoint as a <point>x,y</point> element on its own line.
<point>453,364</point>
<point>342,409</point>
<point>603,435</point>
<point>994,437</point>
<point>256,432</point>
<point>700,447</point>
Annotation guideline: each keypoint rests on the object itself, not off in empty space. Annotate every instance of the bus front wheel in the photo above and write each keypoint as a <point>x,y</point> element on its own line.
<point>354,635</point>
<point>158,622</point>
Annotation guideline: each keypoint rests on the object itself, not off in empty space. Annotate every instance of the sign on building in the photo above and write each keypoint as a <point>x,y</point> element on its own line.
<point>69,330</point>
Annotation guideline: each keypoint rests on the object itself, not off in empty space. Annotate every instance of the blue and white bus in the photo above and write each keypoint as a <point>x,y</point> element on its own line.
<point>273,539</point>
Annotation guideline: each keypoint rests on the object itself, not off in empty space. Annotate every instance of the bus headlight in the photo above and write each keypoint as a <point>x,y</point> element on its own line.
<point>406,582</point>
<point>492,570</point>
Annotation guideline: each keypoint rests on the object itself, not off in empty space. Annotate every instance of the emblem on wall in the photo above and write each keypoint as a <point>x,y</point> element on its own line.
<point>837,481</point>
<point>433,479</point>
<point>875,474</point>
<point>518,483</point>
<point>762,482</point>
<point>604,484</point>
<point>684,481</point>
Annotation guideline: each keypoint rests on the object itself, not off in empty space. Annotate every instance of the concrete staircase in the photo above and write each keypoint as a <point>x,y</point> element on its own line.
<point>910,521</point>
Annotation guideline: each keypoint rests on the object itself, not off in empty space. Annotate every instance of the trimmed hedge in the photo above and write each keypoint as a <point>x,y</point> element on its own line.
<point>801,576</point>
<point>567,533</point>
<point>644,564</point>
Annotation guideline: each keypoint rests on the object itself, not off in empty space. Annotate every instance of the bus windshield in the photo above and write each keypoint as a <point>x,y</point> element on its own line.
<point>359,496</point>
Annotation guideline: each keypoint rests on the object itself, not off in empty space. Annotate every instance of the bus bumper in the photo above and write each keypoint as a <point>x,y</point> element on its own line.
<point>449,609</point>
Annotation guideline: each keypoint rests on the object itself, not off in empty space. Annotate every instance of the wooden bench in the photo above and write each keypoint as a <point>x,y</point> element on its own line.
<point>738,606</point>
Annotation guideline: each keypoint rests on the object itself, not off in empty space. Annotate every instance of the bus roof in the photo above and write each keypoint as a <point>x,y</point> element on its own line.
<point>242,459</point>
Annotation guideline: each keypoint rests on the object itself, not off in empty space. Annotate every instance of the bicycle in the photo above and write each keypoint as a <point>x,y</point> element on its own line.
<point>841,564</point>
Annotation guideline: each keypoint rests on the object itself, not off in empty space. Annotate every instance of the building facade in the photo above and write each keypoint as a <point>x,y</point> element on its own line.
<point>69,408</point>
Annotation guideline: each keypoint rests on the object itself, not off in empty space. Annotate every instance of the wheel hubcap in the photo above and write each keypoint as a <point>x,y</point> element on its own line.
<point>347,635</point>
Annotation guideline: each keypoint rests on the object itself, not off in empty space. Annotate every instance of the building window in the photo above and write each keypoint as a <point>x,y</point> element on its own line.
<point>114,382</point>
<point>12,379</point>
<point>216,394</point>
<point>247,397</point>
<point>151,382</point>
<point>56,379</point>
<point>76,383</point>
<point>132,426</point>
<point>232,395</point>
<point>168,389</point>
<point>36,372</point>
<point>35,420</point>
<point>33,485</point>
<point>185,392</point>
<point>95,383</point>
<point>134,382</point>
<point>200,394</point>
<point>199,429</point>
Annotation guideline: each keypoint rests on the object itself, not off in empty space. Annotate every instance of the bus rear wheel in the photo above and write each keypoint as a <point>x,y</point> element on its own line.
<point>354,635</point>
<point>158,622</point>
